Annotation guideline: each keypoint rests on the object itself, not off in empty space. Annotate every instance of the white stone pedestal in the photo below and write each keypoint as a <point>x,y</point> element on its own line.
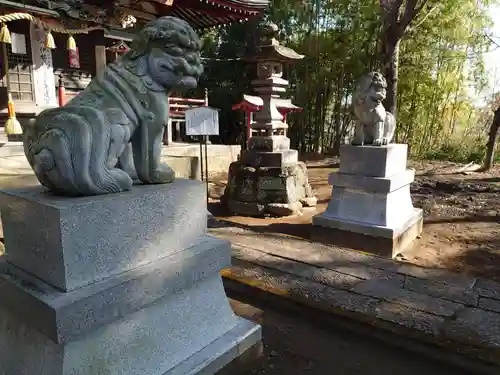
<point>120,284</point>
<point>371,198</point>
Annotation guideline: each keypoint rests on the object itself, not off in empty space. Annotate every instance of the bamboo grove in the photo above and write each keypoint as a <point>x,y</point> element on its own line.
<point>440,67</point>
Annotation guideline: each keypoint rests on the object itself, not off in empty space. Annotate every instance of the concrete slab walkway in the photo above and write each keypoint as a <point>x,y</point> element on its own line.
<point>454,311</point>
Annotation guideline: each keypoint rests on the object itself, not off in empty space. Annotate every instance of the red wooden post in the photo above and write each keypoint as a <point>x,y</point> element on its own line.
<point>62,91</point>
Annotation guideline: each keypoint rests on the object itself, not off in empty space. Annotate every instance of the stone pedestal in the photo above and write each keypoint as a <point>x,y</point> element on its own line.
<point>254,189</point>
<point>118,284</point>
<point>371,208</point>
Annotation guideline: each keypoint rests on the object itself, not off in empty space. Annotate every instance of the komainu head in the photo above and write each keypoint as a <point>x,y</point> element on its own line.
<point>167,50</point>
<point>371,86</point>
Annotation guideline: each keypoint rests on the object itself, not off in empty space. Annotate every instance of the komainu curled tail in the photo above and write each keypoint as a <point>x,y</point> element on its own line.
<point>67,149</point>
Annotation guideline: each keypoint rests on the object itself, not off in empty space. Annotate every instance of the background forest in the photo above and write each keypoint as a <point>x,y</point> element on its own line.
<point>440,67</point>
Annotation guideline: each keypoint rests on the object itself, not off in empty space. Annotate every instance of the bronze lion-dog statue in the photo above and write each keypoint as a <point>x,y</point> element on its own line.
<point>112,132</point>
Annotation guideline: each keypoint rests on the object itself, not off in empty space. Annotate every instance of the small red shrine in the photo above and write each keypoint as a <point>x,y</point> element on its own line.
<point>251,104</point>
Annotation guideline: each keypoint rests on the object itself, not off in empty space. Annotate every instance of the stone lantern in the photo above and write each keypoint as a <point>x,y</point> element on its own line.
<point>268,178</point>
<point>269,123</point>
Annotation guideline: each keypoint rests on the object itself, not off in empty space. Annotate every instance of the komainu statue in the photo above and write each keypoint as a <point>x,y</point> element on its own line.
<point>374,125</point>
<point>112,132</point>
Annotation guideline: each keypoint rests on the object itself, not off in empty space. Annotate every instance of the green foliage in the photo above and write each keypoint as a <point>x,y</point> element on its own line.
<point>440,56</point>
<point>458,151</point>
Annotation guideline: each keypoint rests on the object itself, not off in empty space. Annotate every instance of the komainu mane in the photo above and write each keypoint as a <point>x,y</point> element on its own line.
<point>374,125</point>
<point>112,132</point>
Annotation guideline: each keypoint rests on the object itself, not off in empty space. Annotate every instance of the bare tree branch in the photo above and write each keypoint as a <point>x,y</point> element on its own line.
<point>422,5</point>
<point>390,11</point>
<point>412,9</point>
<point>425,17</point>
<point>492,40</point>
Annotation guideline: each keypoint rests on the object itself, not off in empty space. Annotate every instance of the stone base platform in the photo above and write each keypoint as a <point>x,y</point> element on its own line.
<point>116,285</point>
<point>191,332</point>
<point>370,208</point>
<point>383,241</point>
<point>258,191</point>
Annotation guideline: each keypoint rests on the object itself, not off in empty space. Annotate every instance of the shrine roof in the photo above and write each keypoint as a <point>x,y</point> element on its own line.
<point>199,13</point>
<point>255,103</point>
<point>207,13</point>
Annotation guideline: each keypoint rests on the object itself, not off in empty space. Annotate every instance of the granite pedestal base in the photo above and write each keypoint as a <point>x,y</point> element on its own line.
<point>161,309</point>
<point>258,191</point>
<point>383,241</point>
<point>370,208</point>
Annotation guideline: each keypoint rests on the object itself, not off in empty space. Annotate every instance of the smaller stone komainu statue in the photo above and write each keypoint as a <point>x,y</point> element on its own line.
<point>112,132</point>
<point>374,125</point>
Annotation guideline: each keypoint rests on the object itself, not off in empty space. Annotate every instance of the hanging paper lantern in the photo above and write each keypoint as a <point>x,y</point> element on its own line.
<point>5,35</point>
<point>49,41</point>
<point>71,43</point>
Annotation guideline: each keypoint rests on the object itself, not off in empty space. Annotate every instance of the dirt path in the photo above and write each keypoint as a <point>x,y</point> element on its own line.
<point>295,345</point>
<point>462,224</point>
<point>462,216</point>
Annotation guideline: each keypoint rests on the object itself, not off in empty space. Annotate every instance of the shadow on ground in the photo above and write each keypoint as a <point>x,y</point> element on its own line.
<point>349,352</point>
<point>464,244</point>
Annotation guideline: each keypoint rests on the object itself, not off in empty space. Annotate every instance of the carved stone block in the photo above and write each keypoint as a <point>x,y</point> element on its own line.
<point>75,242</point>
<point>373,161</point>
<point>275,159</point>
<point>271,143</point>
<point>389,209</point>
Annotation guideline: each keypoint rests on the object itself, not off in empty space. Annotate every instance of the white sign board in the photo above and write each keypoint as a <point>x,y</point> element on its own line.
<point>202,121</point>
<point>18,44</point>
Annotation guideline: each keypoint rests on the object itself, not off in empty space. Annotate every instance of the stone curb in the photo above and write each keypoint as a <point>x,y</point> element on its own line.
<point>454,327</point>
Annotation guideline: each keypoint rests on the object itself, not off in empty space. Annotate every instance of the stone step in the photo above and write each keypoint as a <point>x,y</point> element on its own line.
<point>3,137</point>
<point>431,307</point>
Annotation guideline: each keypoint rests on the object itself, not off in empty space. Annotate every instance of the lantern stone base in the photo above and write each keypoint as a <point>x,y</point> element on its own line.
<point>259,191</point>
<point>269,159</point>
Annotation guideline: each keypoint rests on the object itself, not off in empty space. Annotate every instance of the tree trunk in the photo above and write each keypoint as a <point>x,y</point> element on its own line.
<point>338,112</point>
<point>492,138</point>
<point>389,63</point>
<point>396,21</point>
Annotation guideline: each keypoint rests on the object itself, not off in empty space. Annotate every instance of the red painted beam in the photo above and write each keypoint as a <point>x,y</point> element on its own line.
<point>245,107</point>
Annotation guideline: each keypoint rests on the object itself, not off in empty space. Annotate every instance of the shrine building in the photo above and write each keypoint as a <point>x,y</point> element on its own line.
<point>44,43</point>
